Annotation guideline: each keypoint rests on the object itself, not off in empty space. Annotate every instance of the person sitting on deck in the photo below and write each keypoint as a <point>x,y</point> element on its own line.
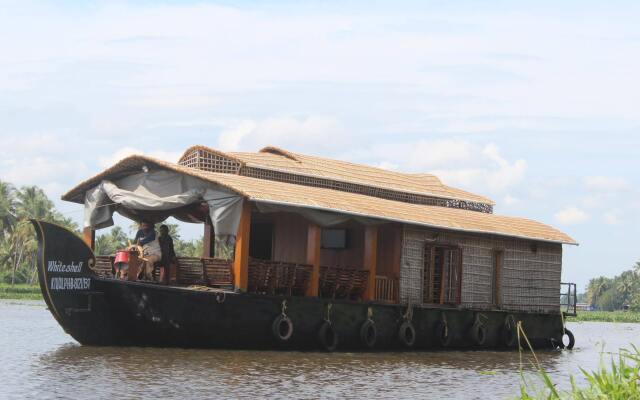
<point>168,254</point>
<point>146,237</point>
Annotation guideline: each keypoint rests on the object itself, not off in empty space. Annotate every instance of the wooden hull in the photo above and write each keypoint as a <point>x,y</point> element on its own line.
<point>104,311</point>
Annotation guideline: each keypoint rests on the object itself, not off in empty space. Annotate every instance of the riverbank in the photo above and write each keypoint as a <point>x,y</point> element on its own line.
<point>606,316</point>
<point>20,292</point>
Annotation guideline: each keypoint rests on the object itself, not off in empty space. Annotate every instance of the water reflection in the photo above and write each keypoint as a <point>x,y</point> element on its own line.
<point>47,364</point>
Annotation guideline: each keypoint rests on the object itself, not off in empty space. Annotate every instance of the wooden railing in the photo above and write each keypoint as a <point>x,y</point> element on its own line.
<point>189,270</point>
<point>386,289</point>
<point>342,282</point>
<point>204,271</point>
<point>278,277</point>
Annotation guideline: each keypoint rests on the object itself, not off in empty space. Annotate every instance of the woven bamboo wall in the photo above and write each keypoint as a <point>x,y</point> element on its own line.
<point>530,278</point>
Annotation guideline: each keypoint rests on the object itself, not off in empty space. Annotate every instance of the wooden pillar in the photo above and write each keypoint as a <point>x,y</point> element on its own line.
<point>89,237</point>
<point>241,258</point>
<point>314,233</point>
<point>206,240</point>
<point>370,260</point>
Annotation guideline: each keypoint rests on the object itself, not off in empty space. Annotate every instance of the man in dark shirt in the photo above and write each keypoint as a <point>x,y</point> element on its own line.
<point>146,237</point>
<point>168,254</point>
<point>145,234</point>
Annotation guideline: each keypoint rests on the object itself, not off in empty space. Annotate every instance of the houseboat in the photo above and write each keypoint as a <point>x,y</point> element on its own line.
<point>301,253</point>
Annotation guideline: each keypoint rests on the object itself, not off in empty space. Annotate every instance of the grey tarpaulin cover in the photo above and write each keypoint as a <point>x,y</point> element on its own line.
<point>320,217</point>
<point>165,191</point>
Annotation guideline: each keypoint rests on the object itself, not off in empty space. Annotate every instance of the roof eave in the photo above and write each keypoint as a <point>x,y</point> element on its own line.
<point>319,208</point>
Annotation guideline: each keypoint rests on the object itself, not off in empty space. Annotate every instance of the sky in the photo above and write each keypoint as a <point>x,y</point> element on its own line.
<point>533,104</point>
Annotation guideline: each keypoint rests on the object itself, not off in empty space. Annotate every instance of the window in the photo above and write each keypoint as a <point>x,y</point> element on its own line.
<point>334,239</point>
<point>442,274</point>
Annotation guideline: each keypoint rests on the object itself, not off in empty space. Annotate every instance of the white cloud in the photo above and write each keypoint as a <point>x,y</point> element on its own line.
<point>612,217</point>
<point>571,216</point>
<point>108,161</point>
<point>312,134</point>
<point>118,155</point>
<point>456,162</point>
<point>510,200</point>
<point>606,184</point>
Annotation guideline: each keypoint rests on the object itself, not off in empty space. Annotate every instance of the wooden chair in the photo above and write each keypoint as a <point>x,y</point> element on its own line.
<point>189,271</point>
<point>344,282</point>
<point>217,272</point>
<point>104,266</point>
<point>302,277</point>
<point>359,284</point>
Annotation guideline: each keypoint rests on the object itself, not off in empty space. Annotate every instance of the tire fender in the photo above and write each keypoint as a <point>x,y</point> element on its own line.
<point>407,334</point>
<point>327,336</point>
<point>282,328</point>
<point>368,333</point>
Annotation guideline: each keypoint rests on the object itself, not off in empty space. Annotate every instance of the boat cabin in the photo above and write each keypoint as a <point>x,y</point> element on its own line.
<point>282,223</point>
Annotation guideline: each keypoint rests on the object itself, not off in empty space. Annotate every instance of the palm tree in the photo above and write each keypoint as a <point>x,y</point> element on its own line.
<point>111,242</point>
<point>596,288</point>
<point>7,207</point>
<point>625,285</point>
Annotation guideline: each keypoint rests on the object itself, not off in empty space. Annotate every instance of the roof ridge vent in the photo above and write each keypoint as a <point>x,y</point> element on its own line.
<point>280,152</point>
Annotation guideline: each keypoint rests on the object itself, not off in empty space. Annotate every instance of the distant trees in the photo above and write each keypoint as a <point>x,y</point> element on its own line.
<point>17,238</point>
<point>108,243</point>
<point>610,294</point>
<point>18,243</point>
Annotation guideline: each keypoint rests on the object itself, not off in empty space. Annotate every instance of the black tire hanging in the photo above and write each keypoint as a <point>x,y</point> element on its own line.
<point>327,336</point>
<point>509,336</point>
<point>479,334</point>
<point>407,334</point>
<point>368,334</point>
<point>442,334</point>
<point>282,328</point>
<point>572,340</point>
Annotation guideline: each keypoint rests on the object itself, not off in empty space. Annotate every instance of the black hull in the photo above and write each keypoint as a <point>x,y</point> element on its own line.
<point>119,313</point>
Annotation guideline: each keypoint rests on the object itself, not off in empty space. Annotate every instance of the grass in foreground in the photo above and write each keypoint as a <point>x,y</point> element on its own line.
<point>620,382</point>
<point>20,292</point>
<point>606,316</point>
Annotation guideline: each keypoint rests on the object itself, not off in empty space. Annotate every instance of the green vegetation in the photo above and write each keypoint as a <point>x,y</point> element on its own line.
<point>610,294</point>
<point>18,243</point>
<point>20,292</point>
<point>17,238</point>
<point>620,381</point>
<point>606,316</point>
<point>108,243</point>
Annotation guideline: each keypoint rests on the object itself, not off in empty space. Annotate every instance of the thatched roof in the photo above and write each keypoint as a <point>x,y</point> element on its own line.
<point>276,159</point>
<point>342,202</point>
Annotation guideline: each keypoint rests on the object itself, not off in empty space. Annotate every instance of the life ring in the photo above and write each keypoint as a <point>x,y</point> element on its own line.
<point>479,333</point>
<point>327,336</point>
<point>282,328</point>
<point>509,333</point>
<point>407,334</point>
<point>572,340</point>
<point>442,334</point>
<point>368,333</point>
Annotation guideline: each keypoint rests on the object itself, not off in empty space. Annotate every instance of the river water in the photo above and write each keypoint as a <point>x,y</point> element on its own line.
<point>38,360</point>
